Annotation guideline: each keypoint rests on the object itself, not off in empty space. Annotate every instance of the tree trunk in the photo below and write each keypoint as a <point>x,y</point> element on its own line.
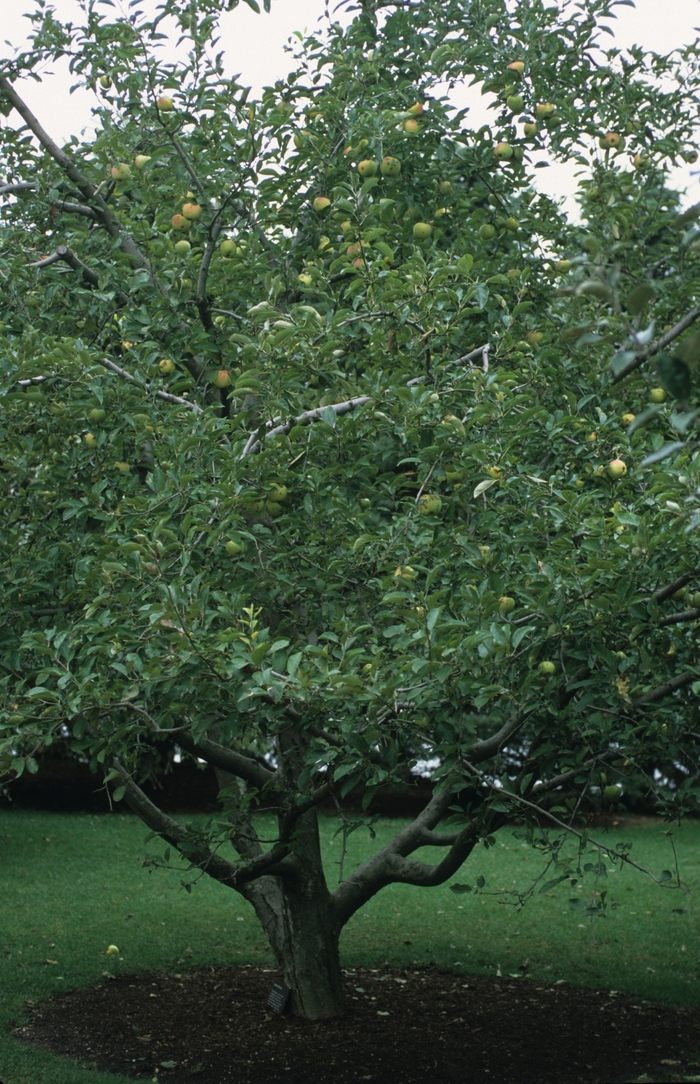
<point>297,914</point>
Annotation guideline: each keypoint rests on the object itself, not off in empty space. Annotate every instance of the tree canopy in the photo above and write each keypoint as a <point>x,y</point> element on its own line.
<point>333,453</point>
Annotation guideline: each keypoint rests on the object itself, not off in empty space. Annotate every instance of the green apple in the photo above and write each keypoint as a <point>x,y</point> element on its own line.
<point>121,172</point>
<point>503,151</point>
<point>182,247</point>
<point>562,266</point>
<point>365,503</point>
<point>112,950</point>
<point>429,504</point>
<point>529,129</point>
<point>367,167</point>
<point>90,440</point>
<point>141,159</point>
<point>122,466</point>
<point>512,224</point>
<point>445,187</point>
<point>405,572</point>
<point>228,248</point>
<point>515,103</point>
<point>487,232</point>
<point>545,109</point>
<point>390,167</point>
<point>277,493</point>
<point>547,667</point>
<point>657,395</point>
<point>617,468</point>
<point>612,792</point>
<point>416,110</point>
<point>696,600</point>
<point>274,509</point>
<point>411,126</point>
<point>97,415</point>
<point>233,548</point>
<point>105,82</point>
<point>321,203</point>
<point>221,379</point>
<point>506,604</point>
<point>165,104</point>
<point>422,231</point>
<point>166,366</point>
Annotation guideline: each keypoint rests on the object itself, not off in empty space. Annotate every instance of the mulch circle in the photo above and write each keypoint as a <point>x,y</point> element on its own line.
<point>408,1027</point>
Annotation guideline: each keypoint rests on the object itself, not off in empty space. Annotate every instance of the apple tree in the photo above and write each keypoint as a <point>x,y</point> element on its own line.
<point>314,464</point>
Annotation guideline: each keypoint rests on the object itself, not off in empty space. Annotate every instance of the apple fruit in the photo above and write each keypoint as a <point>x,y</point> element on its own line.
<point>179,222</point>
<point>517,66</point>
<point>354,249</point>
<point>696,600</point>
<point>320,203</point>
<point>182,247</point>
<point>453,476</point>
<point>221,379</point>
<point>365,503</point>
<point>422,231</point>
<point>112,950</point>
<point>405,573</point>
<point>305,278</point>
<point>411,126</point>
<point>503,151</point>
<point>689,154</point>
<point>506,604</point>
<point>277,493</point>
<point>445,187</point>
<point>228,247</point>
<point>657,395</point>
<point>494,472</point>
<point>367,167</point>
<point>165,104</point>
<point>105,82</point>
<point>121,172</point>
<point>562,266</point>
<point>191,211</point>
<point>90,440</point>
<point>612,793</point>
<point>641,161</point>
<point>233,548</point>
<point>529,129</point>
<point>358,263</point>
<point>512,224</point>
<point>429,504</point>
<point>547,667</point>
<point>579,483</point>
<point>612,141</point>
<point>515,103</point>
<point>122,466</point>
<point>535,337</point>
<point>487,232</point>
<point>416,109</point>
<point>346,226</point>
<point>274,509</point>
<point>166,366</point>
<point>545,109</point>
<point>390,167</point>
<point>141,159</point>
<point>628,418</point>
<point>97,415</point>
<point>617,468</point>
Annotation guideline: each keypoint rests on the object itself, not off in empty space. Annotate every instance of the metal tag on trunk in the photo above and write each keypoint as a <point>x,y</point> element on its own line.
<point>279,996</point>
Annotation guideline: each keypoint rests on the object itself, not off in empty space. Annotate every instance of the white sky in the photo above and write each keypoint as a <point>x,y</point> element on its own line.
<point>254,47</point>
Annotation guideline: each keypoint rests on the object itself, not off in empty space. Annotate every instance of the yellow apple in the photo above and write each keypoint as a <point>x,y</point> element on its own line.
<point>517,66</point>
<point>545,109</point>
<point>411,126</point>
<point>628,418</point>
<point>422,230</point>
<point>121,172</point>
<point>166,366</point>
<point>112,950</point>
<point>506,604</point>
<point>233,548</point>
<point>165,104</point>
<point>320,203</point>
<point>179,222</point>
<point>657,395</point>
<point>416,109</point>
<point>547,667</point>
<point>191,211</point>
<point>90,440</point>
<point>141,159</point>
<point>562,266</point>
<point>405,573</point>
<point>222,378</point>
<point>305,278</point>
<point>122,466</point>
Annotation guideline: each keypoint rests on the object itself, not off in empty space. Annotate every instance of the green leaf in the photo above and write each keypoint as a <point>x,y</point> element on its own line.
<point>674,375</point>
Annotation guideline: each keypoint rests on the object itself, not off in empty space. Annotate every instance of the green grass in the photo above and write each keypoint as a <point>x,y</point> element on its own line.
<point>70,885</point>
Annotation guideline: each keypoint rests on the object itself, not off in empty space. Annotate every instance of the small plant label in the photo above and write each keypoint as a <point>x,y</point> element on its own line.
<point>279,996</point>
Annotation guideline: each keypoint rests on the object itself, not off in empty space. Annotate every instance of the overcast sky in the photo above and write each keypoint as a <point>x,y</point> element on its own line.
<point>254,46</point>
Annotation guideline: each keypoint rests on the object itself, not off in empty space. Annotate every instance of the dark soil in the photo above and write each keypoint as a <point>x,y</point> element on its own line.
<point>401,1027</point>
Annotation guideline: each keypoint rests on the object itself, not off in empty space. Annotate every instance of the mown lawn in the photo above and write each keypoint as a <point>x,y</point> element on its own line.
<point>70,885</point>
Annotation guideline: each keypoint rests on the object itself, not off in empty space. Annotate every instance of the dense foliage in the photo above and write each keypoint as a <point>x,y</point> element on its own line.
<point>319,461</point>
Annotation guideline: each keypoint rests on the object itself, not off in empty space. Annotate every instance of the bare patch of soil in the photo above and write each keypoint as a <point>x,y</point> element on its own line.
<point>402,1026</point>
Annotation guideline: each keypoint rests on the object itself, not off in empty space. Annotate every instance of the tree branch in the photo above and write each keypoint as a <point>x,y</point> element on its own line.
<point>254,442</point>
<point>66,254</point>
<point>484,750</point>
<point>679,618</point>
<point>665,592</point>
<point>666,689</point>
<point>227,759</point>
<point>148,388</point>
<point>654,348</point>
